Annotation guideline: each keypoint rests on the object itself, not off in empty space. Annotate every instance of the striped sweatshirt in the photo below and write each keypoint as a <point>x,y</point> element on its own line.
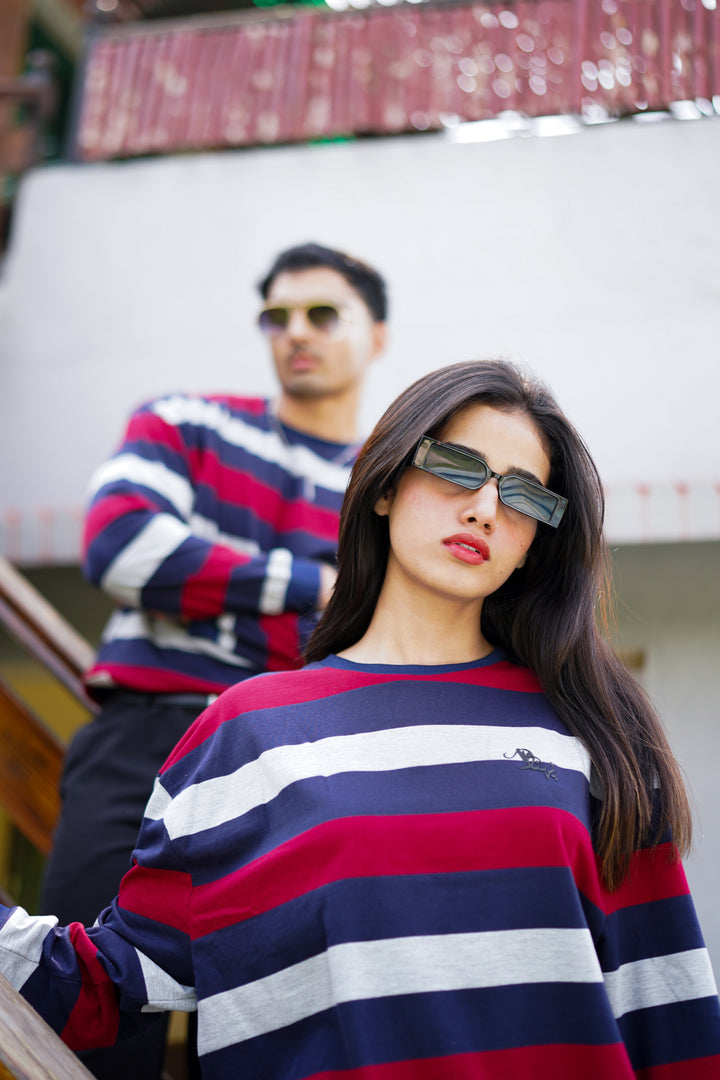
<point>360,872</point>
<point>207,528</point>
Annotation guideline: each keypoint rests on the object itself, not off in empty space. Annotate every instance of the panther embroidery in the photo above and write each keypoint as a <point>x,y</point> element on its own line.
<point>534,763</point>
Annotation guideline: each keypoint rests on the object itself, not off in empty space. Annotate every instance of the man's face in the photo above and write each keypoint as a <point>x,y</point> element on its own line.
<point>310,361</point>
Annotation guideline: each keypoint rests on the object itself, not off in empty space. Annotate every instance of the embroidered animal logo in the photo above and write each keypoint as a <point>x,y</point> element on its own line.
<point>531,762</point>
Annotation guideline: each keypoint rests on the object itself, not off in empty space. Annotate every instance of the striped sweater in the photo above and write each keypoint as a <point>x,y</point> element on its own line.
<point>361,872</point>
<point>207,528</point>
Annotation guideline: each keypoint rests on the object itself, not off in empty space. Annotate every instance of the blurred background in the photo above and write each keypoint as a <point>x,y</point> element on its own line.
<point>536,179</point>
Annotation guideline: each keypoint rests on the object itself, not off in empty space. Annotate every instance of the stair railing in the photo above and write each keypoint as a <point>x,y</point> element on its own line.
<point>31,758</point>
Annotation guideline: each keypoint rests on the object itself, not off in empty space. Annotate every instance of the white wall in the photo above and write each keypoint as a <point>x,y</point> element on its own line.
<point>593,256</point>
<point>670,599</point>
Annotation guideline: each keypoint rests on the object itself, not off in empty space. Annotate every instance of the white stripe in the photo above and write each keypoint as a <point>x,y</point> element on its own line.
<point>227,639</point>
<point>158,802</point>
<point>660,980</point>
<point>21,944</point>
<point>224,798</point>
<point>364,970</point>
<point>277,579</point>
<point>131,570</point>
<point>165,633</point>
<point>150,474</point>
<point>298,460</point>
<point>162,991</point>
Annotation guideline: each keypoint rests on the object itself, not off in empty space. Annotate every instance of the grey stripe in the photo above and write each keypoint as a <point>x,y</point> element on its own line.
<point>410,965</point>
<point>224,798</point>
<point>660,980</point>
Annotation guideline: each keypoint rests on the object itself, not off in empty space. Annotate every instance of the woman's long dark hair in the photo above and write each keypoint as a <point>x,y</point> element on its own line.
<point>549,615</point>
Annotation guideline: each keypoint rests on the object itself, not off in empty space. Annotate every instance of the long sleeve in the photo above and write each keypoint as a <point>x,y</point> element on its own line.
<point>208,528</point>
<point>657,972</point>
<point>148,543</point>
<point>97,985</point>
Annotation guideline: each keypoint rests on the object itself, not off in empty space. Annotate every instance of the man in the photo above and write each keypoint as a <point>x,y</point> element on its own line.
<point>214,529</point>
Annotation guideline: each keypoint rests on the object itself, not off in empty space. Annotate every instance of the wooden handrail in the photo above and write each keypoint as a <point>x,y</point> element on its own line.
<point>31,758</point>
<point>29,1048</point>
<point>42,630</point>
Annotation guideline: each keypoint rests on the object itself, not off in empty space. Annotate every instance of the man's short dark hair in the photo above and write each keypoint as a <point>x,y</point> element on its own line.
<point>366,281</point>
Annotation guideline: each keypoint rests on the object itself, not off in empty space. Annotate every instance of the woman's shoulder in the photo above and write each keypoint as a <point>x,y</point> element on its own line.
<point>255,695</point>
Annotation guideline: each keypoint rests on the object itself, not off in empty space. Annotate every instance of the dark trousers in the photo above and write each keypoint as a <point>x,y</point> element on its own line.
<point>107,780</point>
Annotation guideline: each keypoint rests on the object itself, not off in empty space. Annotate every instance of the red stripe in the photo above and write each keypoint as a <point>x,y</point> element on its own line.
<point>162,895</point>
<point>151,428</point>
<point>239,488</point>
<point>95,1018</point>
<point>500,676</point>
<point>480,840</point>
<point>654,874</point>
<point>521,1063</point>
<point>254,406</point>
<point>288,688</point>
<point>282,641</point>
<point>149,680</point>
<point>706,1068</point>
<point>294,687</point>
<point>203,594</point>
<point>355,847</point>
<point>108,510</point>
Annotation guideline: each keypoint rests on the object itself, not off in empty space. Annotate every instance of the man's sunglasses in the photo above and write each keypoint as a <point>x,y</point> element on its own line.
<point>324,317</point>
<point>470,471</point>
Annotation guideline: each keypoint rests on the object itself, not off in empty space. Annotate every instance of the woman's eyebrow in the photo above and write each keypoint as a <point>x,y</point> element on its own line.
<point>514,470</point>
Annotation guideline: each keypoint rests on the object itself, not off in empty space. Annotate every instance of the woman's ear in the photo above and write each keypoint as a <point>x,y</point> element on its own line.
<point>382,506</point>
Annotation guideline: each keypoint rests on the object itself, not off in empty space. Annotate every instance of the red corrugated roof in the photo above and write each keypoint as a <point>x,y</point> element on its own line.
<point>304,73</point>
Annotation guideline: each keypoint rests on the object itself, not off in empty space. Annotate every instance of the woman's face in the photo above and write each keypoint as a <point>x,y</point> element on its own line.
<point>450,544</point>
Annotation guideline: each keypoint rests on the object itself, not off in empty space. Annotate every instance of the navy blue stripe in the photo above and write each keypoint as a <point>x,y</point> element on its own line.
<point>652,929</point>
<point>169,949</point>
<point>185,561</point>
<point>238,518</point>
<point>426,1026</point>
<point>401,906</point>
<point>434,789</point>
<point>669,1033</point>
<point>53,999</point>
<point>143,654</point>
<point>153,452</point>
<point>366,708</point>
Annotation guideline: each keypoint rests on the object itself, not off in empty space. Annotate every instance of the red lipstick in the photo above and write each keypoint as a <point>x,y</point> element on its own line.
<point>467,548</point>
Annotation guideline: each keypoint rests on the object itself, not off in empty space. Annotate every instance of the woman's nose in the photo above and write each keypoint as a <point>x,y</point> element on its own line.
<point>481,508</point>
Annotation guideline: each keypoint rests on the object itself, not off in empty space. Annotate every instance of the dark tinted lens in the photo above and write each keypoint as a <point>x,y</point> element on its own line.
<point>531,499</point>
<point>324,317</point>
<point>469,471</point>
<point>455,466</point>
<point>274,320</point>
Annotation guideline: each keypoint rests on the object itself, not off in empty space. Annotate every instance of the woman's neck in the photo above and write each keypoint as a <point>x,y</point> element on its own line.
<point>409,634</point>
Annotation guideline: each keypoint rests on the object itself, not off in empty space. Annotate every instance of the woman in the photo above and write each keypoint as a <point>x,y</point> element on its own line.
<point>442,848</point>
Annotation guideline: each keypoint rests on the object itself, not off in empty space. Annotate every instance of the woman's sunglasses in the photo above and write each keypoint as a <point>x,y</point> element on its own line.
<point>470,471</point>
<point>326,318</point>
